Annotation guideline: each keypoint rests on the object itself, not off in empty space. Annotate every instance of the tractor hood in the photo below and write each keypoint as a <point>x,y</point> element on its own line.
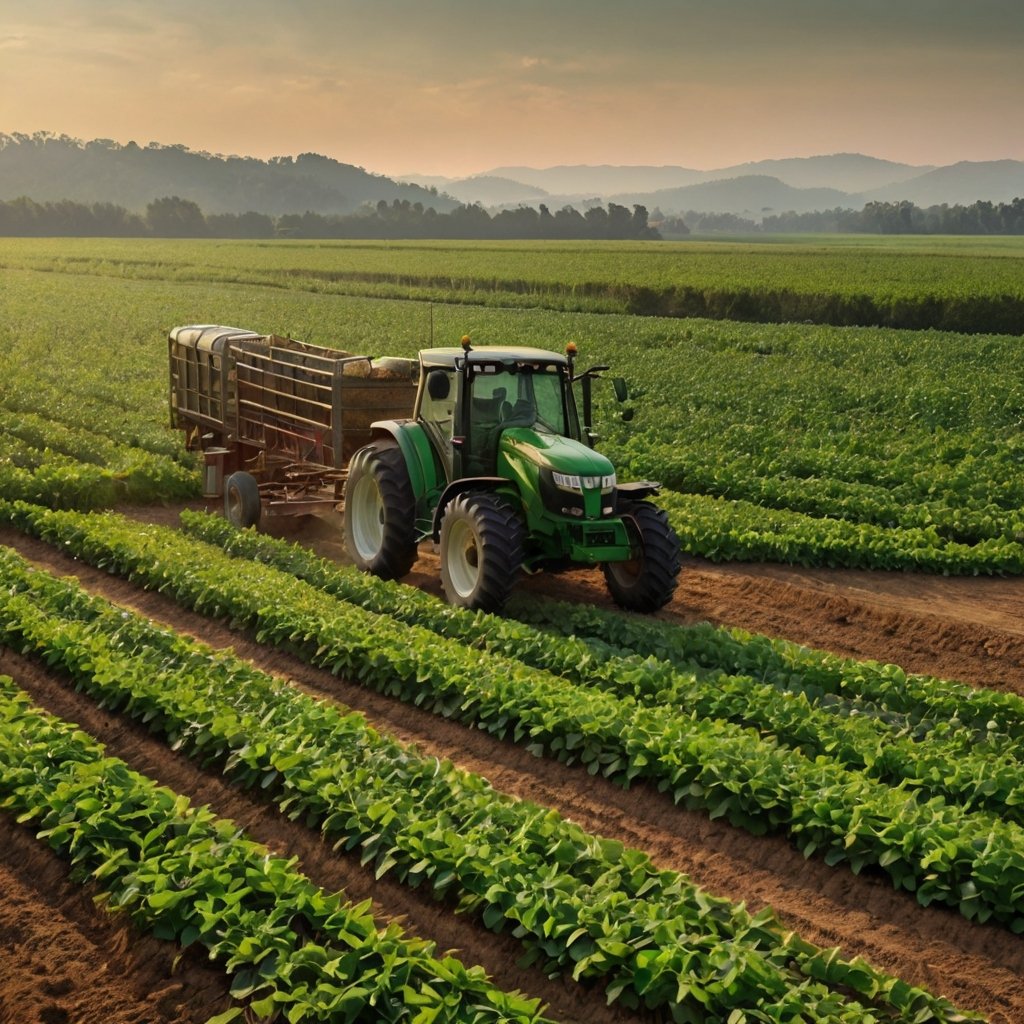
<point>553,452</point>
<point>570,479</point>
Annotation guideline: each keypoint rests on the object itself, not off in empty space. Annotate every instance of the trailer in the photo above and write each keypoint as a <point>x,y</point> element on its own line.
<point>277,420</point>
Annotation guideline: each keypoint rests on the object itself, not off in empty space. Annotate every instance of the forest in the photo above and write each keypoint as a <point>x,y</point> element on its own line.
<point>173,217</point>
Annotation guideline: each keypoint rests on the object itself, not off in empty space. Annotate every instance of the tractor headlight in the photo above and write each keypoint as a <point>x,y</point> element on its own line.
<point>577,484</point>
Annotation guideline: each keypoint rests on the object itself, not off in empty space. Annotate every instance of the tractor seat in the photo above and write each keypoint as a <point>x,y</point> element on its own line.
<point>518,415</point>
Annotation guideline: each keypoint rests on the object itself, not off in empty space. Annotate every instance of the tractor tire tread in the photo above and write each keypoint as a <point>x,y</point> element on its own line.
<point>501,533</point>
<point>654,586</point>
<point>398,550</point>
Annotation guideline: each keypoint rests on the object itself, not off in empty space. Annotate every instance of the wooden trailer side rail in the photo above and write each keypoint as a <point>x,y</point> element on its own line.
<point>288,413</point>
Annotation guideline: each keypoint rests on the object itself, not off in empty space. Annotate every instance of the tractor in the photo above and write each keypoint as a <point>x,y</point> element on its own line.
<point>497,470</point>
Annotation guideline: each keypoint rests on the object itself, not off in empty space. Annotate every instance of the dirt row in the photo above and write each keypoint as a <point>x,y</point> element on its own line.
<point>63,961</point>
<point>978,967</point>
<point>969,628</point>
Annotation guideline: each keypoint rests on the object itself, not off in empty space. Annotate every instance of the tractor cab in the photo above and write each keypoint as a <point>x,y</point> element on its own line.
<point>468,398</point>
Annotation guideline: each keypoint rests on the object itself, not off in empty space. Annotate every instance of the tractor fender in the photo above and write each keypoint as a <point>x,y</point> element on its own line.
<point>415,447</point>
<point>639,489</point>
<point>457,487</point>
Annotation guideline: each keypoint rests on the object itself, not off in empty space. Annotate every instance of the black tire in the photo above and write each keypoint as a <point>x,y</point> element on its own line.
<point>242,504</point>
<point>648,580</point>
<point>481,551</point>
<point>380,512</point>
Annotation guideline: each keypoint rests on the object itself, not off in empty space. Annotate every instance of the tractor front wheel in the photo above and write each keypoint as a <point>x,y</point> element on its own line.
<point>481,551</point>
<point>380,512</point>
<point>647,581</point>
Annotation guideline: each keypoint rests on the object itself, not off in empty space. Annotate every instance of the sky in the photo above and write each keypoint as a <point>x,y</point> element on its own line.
<point>456,87</point>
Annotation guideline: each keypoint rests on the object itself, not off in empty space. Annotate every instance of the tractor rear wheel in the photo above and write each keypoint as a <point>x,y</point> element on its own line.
<point>242,505</point>
<point>380,528</point>
<point>648,580</point>
<point>481,551</point>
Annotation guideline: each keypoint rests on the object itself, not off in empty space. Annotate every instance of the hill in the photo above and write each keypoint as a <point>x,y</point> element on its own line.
<point>847,172</point>
<point>800,184</point>
<point>48,167</point>
<point>493,191</point>
<point>998,181</point>
<point>751,195</point>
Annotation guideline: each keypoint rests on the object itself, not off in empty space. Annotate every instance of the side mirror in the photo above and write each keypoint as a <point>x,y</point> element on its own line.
<point>627,415</point>
<point>438,385</point>
<point>621,391</point>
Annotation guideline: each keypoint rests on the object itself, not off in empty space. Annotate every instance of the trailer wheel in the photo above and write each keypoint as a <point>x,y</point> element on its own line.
<point>481,551</point>
<point>380,511</point>
<point>242,500</point>
<point>647,581</point>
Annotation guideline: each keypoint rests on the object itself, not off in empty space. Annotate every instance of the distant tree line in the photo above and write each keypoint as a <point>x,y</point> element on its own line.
<point>173,217</point>
<point>902,218</point>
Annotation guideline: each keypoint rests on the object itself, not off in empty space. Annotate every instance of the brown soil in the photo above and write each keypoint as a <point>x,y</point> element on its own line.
<point>965,628</point>
<point>62,961</point>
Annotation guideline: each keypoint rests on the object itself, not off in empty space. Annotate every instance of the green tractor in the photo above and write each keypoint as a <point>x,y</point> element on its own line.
<point>495,469</point>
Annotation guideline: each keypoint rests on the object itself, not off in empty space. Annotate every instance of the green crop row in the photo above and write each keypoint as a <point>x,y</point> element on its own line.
<point>924,704</point>
<point>48,463</point>
<point>187,876</point>
<point>37,433</point>
<point>585,903</point>
<point>959,505</point>
<point>724,530</point>
<point>970,860</point>
<point>844,284</point>
<point>819,446</point>
<point>977,768</point>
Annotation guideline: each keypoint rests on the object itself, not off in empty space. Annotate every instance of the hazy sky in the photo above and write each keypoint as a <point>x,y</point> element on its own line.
<point>456,87</point>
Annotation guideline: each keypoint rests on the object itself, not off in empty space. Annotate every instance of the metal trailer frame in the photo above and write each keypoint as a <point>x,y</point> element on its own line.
<point>288,413</point>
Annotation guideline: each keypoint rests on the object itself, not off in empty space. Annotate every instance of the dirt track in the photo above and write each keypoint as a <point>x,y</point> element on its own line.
<point>968,629</point>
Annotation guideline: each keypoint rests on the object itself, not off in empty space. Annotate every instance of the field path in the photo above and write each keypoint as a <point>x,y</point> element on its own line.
<point>979,967</point>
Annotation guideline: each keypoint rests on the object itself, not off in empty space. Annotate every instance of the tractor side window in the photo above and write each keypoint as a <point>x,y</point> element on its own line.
<point>547,394</point>
<point>437,410</point>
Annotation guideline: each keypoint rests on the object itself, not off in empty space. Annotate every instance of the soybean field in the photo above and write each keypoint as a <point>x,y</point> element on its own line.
<point>241,781</point>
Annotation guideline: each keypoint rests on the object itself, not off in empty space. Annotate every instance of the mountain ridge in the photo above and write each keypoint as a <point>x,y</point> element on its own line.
<point>50,168</point>
<point>46,167</point>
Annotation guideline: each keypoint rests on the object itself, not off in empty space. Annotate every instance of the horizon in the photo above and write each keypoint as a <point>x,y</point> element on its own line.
<point>458,87</point>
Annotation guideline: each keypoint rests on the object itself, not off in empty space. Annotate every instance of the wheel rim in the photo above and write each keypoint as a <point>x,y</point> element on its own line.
<point>463,557</point>
<point>628,572</point>
<point>366,507</point>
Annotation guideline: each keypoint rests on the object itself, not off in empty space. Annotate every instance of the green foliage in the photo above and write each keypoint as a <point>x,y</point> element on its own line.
<point>819,446</point>
<point>911,731</point>
<point>923,843</point>
<point>581,903</point>
<point>187,876</point>
<point>61,466</point>
<point>847,283</point>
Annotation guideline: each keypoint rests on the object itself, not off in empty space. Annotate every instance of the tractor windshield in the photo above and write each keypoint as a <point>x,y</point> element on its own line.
<point>520,395</point>
<point>530,394</point>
